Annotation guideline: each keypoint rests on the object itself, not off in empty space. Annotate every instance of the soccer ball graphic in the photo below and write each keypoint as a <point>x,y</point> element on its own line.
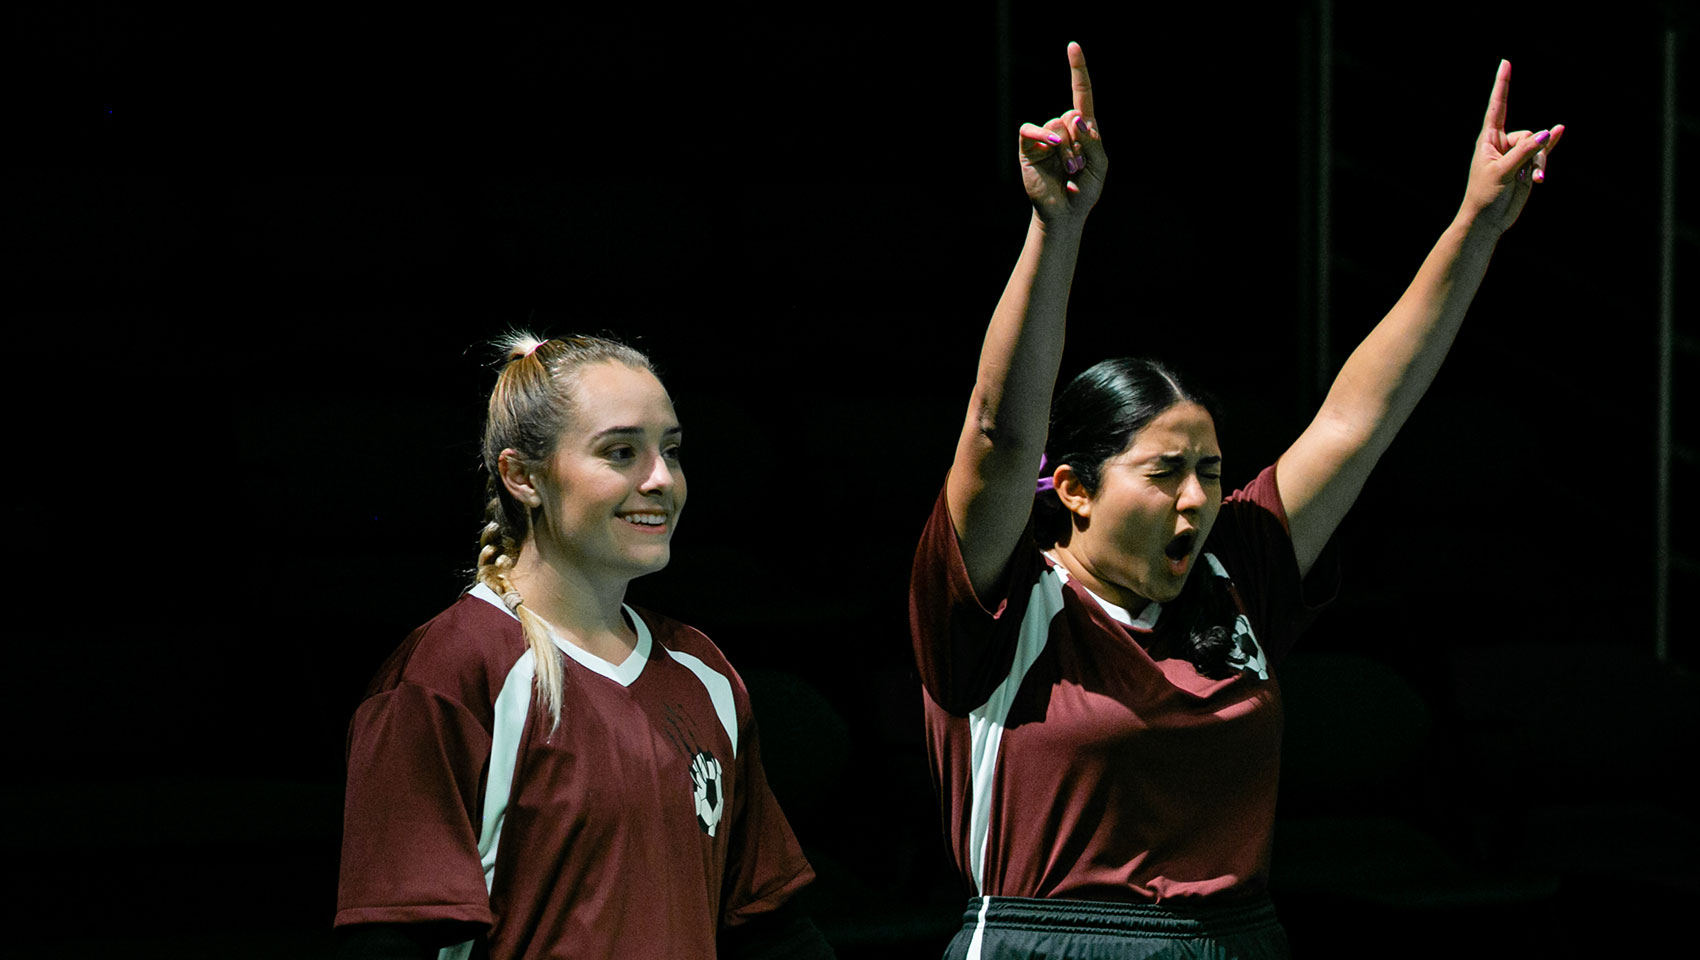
<point>711,799</point>
<point>1246,654</point>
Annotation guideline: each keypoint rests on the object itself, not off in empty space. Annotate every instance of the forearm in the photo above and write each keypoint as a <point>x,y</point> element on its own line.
<point>1321,474</point>
<point>990,488</point>
<point>1390,370</point>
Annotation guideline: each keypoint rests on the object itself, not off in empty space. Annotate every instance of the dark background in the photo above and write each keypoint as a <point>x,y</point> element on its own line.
<point>259,254</point>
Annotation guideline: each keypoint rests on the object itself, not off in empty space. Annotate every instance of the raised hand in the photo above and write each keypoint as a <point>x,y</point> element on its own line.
<point>1506,166</point>
<point>1063,162</point>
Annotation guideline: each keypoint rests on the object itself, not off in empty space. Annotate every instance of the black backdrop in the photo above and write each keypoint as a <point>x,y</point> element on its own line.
<point>261,253</point>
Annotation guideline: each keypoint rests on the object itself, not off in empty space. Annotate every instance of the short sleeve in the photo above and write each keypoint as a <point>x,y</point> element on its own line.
<point>415,778</point>
<point>764,864</point>
<point>1252,540</point>
<point>964,644</point>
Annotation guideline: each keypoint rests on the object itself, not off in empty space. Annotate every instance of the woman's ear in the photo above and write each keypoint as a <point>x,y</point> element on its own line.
<point>1071,491</point>
<point>518,478</point>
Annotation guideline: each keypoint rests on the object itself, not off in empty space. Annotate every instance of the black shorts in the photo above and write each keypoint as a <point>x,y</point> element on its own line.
<point>1018,928</point>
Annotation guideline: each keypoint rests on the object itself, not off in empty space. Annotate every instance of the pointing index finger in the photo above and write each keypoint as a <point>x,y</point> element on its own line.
<point>1081,82</point>
<point>1495,119</point>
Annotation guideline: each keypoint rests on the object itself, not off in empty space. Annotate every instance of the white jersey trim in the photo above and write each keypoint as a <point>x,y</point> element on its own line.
<point>624,673</point>
<point>719,693</point>
<point>986,722</point>
<point>482,591</point>
<point>513,705</point>
<point>1147,618</point>
<point>1248,653</point>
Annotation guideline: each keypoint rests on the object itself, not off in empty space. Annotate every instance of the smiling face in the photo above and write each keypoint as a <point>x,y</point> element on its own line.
<point>1138,536</point>
<point>614,488</point>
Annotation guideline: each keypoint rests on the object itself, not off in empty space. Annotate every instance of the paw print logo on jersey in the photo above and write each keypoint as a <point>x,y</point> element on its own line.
<point>711,799</point>
<point>1246,654</point>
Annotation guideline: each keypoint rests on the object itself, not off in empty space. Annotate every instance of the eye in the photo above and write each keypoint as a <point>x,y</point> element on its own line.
<point>673,452</point>
<point>620,454</point>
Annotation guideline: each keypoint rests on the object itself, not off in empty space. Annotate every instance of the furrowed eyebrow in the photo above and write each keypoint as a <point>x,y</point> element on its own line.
<point>1179,459</point>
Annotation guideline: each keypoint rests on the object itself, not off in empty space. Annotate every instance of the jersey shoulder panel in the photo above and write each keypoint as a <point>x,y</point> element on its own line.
<point>682,638</point>
<point>1252,541</point>
<point>464,653</point>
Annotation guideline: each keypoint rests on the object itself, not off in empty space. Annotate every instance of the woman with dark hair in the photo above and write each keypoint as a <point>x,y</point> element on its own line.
<point>1096,648</point>
<point>542,770</point>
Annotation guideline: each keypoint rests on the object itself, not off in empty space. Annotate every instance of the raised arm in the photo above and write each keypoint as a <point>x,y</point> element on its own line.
<point>1321,474</point>
<point>990,490</point>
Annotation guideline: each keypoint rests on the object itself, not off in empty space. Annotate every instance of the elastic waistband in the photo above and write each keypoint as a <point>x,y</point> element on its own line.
<point>1122,919</point>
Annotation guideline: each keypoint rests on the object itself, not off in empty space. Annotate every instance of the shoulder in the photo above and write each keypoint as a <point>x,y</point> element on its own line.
<point>692,649</point>
<point>464,653</point>
<point>1250,536</point>
<point>1252,540</point>
<point>965,641</point>
<point>939,576</point>
<point>1257,502</point>
<point>1252,520</point>
<point>674,635</point>
<point>682,638</point>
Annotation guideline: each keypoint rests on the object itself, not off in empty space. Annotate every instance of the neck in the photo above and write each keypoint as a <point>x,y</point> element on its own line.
<point>1078,568</point>
<point>586,611</point>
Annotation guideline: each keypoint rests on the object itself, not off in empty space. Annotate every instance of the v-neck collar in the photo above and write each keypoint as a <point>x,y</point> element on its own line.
<point>1145,622</point>
<point>624,673</point>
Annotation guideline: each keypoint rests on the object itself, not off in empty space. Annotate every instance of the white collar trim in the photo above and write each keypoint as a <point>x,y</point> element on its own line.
<point>623,673</point>
<point>1147,618</point>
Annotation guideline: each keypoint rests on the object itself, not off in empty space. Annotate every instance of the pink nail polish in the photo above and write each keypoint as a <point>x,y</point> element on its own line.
<point>1543,136</point>
<point>1540,176</point>
<point>1073,164</point>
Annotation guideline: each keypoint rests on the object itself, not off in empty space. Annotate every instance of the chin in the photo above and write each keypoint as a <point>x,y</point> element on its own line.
<point>654,563</point>
<point>1167,591</point>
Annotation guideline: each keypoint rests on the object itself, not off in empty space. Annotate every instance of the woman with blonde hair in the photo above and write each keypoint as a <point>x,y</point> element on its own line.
<point>543,770</point>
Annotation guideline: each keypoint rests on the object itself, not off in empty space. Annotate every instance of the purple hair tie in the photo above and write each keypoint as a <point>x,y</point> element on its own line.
<point>1045,482</point>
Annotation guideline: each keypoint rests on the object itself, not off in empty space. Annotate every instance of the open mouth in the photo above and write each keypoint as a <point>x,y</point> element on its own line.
<point>1179,553</point>
<point>645,519</point>
<point>1181,546</point>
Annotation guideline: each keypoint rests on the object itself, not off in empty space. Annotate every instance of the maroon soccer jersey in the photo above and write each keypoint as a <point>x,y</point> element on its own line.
<point>637,828</point>
<point>1072,758</point>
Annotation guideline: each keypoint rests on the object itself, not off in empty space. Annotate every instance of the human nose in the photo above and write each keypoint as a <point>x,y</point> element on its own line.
<point>1191,496</point>
<point>661,477</point>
